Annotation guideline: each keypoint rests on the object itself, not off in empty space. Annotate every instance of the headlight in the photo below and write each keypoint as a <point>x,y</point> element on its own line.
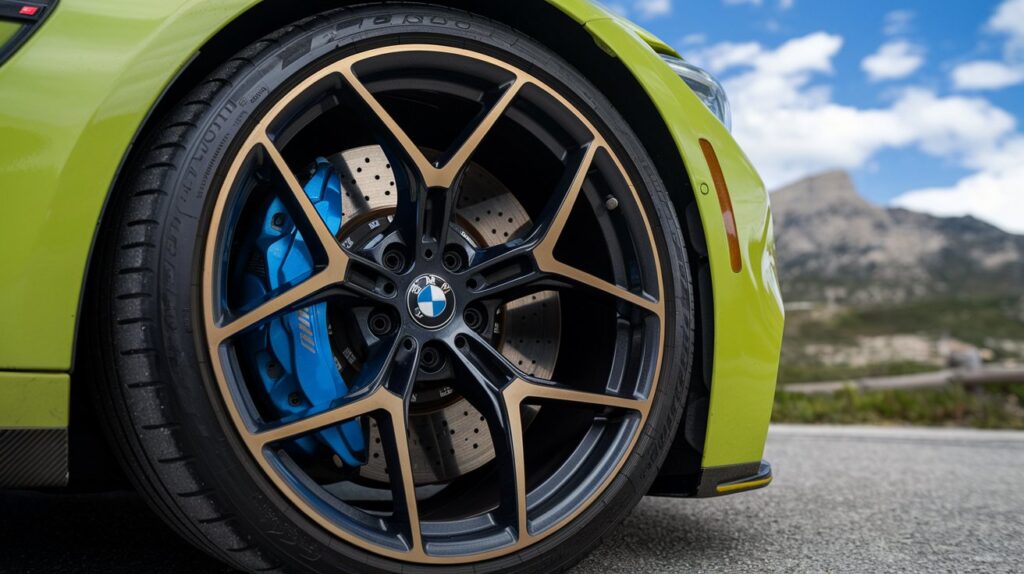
<point>705,86</point>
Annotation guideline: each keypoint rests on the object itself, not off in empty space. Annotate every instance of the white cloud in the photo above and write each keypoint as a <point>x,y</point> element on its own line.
<point>811,53</point>
<point>1009,19</point>
<point>994,197</point>
<point>786,4</point>
<point>995,191</point>
<point>738,2</point>
<point>893,60</point>
<point>653,8</point>
<point>995,194</point>
<point>790,126</point>
<point>898,22</point>
<point>721,57</point>
<point>986,75</point>
<point>954,126</point>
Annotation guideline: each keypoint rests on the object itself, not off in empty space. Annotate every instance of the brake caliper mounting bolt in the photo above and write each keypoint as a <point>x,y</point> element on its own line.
<point>294,399</point>
<point>277,221</point>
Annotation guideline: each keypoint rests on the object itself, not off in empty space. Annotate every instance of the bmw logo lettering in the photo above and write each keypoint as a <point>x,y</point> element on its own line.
<point>431,301</point>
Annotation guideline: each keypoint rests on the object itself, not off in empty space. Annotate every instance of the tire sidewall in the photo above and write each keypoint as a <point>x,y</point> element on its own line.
<point>262,513</point>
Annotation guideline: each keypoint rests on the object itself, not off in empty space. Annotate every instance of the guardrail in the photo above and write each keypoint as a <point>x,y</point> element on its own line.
<point>937,379</point>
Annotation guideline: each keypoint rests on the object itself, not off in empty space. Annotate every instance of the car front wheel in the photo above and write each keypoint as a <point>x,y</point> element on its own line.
<point>395,290</point>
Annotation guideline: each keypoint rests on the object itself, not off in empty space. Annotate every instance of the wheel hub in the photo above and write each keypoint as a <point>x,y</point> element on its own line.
<point>431,301</point>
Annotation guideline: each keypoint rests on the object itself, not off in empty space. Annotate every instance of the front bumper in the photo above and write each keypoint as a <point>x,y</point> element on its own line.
<point>715,481</point>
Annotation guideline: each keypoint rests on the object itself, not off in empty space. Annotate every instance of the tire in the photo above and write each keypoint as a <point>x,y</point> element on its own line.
<point>166,416</point>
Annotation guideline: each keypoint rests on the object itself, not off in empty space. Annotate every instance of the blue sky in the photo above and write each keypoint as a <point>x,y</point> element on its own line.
<point>921,100</point>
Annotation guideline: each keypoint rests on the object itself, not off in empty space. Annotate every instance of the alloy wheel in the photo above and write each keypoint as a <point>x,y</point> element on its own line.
<point>432,303</point>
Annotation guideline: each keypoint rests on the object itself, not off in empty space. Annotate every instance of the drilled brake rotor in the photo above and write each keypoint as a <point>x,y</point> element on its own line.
<point>448,437</point>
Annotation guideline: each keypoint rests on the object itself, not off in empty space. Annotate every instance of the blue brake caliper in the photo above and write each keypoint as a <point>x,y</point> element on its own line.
<point>293,352</point>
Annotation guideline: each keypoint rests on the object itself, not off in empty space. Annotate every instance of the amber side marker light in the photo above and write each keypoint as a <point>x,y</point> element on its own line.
<point>725,202</point>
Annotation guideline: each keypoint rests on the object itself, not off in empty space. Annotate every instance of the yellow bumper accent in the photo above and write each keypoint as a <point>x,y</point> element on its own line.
<point>741,486</point>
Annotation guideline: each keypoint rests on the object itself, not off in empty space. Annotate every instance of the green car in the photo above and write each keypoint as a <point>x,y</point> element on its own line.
<point>377,287</point>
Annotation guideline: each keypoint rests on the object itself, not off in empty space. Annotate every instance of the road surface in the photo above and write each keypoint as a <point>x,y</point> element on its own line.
<point>847,499</point>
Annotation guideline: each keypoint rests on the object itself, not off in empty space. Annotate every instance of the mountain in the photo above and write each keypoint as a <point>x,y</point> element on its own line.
<point>833,245</point>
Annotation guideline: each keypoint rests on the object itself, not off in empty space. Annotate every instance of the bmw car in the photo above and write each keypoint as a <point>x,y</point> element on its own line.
<point>377,286</point>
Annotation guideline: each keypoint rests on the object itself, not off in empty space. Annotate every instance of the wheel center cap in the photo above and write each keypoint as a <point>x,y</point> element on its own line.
<point>431,301</point>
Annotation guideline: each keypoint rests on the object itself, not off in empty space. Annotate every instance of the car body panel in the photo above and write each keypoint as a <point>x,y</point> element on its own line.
<point>34,400</point>
<point>77,93</point>
<point>748,315</point>
<point>73,98</point>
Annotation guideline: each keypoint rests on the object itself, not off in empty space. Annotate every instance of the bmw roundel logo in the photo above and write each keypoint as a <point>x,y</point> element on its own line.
<point>431,301</point>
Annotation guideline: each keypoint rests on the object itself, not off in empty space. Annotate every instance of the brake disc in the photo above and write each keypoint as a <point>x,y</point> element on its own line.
<point>448,437</point>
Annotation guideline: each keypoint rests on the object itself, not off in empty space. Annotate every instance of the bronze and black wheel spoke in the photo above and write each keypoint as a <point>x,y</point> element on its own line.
<point>539,390</point>
<point>367,282</point>
<point>512,273</point>
<point>484,361</point>
<point>444,172</point>
<point>549,224</point>
<point>481,377</point>
<point>424,218</point>
<point>308,292</point>
<point>560,273</point>
<point>368,395</point>
<point>395,440</point>
<point>527,265</point>
<point>401,370</point>
<point>505,266</point>
<point>318,236</point>
<point>489,363</point>
<point>394,435</point>
<point>510,280</point>
<point>407,160</point>
<point>453,163</point>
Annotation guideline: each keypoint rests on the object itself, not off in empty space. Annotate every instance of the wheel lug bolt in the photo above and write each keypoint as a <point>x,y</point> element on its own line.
<point>380,323</point>
<point>394,259</point>
<point>431,360</point>
<point>474,319</point>
<point>453,260</point>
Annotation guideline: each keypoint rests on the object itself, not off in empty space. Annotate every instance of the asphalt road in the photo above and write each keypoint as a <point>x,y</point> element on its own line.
<point>844,500</point>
